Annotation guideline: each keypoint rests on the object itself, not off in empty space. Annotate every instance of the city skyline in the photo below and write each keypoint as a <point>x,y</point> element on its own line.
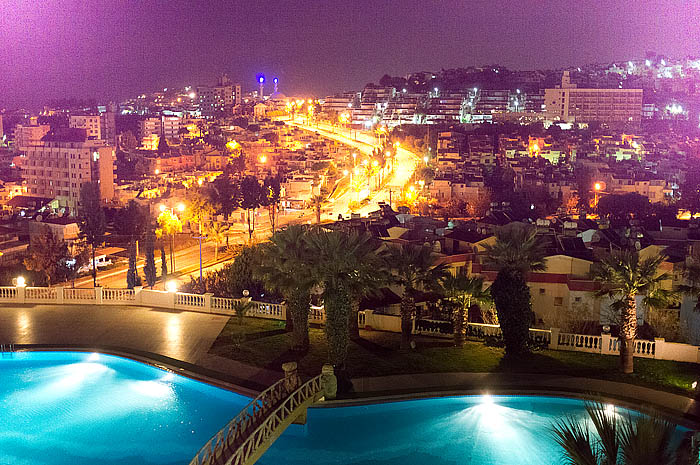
<point>145,47</point>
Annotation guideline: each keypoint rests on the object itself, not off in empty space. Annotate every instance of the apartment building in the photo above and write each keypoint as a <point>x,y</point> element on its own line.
<point>29,136</point>
<point>64,160</point>
<point>91,124</point>
<point>165,126</point>
<point>569,103</point>
<point>220,98</point>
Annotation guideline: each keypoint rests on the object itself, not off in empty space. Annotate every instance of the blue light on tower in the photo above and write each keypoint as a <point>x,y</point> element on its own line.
<point>275,80</point>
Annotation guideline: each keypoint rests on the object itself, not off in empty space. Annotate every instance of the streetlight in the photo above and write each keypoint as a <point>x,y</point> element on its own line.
<point>426,159</point>
<point>263,159</point>
<point>171,286</point>
<point>20,281</point>
<point>181,207</point>
<point>597,188</point>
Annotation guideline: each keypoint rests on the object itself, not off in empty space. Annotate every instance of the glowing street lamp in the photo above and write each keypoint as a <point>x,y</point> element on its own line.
<point>263,159</point>
<point>181,207</point>
<point>171,286</point>
<point>597,187</point>
<point>20,281</point>
<point>426,159</point>
<point>161,207</point>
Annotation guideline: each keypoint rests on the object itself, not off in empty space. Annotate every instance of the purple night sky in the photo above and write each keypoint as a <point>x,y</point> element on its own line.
<point>113,48</point>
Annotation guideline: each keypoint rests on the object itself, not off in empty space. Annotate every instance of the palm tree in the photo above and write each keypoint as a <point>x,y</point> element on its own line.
<point>624,276</point>
<point>516,251</point>
<point>368,278</point>
<point>692,286</point>
<point>283,265</point>
<point>414,270</point>
<point>462,291</point>
<point>623,440</point>
<point>217,233</point>
<point>339,261</point>
<point>317,203</point>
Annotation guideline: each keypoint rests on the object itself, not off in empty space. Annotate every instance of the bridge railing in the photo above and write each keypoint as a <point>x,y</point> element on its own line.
<point>246,437</point>
<point>239,425</point>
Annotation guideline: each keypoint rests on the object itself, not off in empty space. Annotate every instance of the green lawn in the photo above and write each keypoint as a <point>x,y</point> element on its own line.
<point>266,345</point>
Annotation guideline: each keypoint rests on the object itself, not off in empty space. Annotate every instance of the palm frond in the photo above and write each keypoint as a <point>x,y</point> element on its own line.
<point>517,246</point>
<point>606,426</point>
<point>575,439</point>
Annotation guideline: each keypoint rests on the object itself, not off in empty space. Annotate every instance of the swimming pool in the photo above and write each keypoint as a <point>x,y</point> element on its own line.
<point>59,408</point>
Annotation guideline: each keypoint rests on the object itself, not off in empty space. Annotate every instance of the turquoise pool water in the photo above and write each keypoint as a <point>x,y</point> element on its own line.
<point>60,408</point>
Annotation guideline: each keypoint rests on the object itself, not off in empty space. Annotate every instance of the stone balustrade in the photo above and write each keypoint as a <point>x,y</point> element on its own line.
<point>554,339</point>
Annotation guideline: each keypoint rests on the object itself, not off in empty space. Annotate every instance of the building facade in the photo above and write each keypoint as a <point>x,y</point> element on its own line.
<point>63,161</point>
<point>612,106</point>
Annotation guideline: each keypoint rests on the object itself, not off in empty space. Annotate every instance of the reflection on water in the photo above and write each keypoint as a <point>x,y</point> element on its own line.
<point>78,409</point>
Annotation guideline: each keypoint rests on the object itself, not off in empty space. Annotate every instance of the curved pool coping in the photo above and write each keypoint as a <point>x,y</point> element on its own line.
<point>681,409</point>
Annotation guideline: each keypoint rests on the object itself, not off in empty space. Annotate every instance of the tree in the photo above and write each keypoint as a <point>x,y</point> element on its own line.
<point>271,199</point>
<point>132,276</point>
<point>199,207</point>
<point>414,270</point>
<point>624,206</point>
<point>163,262</point>
<point>624,440</point>
<point>251,198</point>
<point>691,287</point>
<point>281,258</point>
<point>92,220</point>
<point>462,291</point>
<point>48,254</point>
<point>149,269</point>
<point>216,232</point>
<point>516,251</point>
<point>623,276</point>
<point>317,204</point>
<point>169,225</point>
<point>132,222</point>
<point>336,258</point>
<point>224,194</point>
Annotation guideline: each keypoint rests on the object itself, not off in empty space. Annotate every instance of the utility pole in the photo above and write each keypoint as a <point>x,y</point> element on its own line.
<point>199,238</point>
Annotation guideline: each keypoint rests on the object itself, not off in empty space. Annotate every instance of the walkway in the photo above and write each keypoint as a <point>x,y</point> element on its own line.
<point>181,335</point>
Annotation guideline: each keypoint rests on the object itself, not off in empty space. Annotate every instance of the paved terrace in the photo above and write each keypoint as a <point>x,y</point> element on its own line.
<point>187,336</point>
<point>181,335</point>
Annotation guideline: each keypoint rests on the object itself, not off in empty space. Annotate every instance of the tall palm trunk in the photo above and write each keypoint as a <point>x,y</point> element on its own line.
<point>353,326</point>
<point>298,315</point>
<point>628,332</point>
<point>408,308</point>
<point>460,322</point>
<point>337,304</point>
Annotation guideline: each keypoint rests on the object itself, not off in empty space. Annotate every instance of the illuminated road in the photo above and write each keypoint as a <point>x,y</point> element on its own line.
<point>405,163</point>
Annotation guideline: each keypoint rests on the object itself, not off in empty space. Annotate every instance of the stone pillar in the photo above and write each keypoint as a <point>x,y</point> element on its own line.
<point>605,342</point>
<point>554,341</point>
<point>291,376</point>
<point>368,319</point>
<point>98,295</point>
<point>21,294</point>
<point>59,294</point>
<point>659,345</point>
<point>329,382</point>
<point>207,301</point>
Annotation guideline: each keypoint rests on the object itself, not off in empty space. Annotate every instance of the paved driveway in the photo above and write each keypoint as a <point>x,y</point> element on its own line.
<point>177,334</point>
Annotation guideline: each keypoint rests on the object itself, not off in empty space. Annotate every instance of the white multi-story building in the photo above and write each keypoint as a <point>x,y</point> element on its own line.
<point>165,126</point>
<point>63,161</point>
<point>91,124</point>
<point>571,104</point>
